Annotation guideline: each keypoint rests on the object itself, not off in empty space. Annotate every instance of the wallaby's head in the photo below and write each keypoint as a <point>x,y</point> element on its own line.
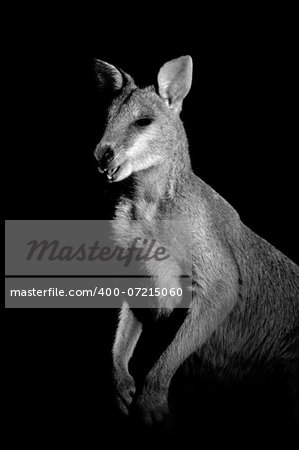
<point>143,126</point>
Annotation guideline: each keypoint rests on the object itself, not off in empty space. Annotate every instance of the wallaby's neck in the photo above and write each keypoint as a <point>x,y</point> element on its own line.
<point>162,182</point>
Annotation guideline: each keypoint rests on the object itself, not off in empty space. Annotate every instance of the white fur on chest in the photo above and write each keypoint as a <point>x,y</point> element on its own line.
<point>165,273</point>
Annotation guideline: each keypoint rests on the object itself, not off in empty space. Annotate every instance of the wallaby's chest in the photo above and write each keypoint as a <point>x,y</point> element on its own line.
<point>143,220</point>
<point>162,239</point>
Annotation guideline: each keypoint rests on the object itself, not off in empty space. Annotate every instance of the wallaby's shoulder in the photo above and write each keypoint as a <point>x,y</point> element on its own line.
<point>257,260</point>
<point>209,210</point>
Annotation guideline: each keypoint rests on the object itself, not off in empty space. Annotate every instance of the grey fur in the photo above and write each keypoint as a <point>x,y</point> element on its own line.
<point>244,314</point>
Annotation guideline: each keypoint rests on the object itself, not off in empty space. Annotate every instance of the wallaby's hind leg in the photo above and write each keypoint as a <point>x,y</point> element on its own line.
<point>127,335</point>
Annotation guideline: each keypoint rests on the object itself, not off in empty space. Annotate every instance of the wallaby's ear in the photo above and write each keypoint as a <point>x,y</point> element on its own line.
<point>109,77</point>
<point>174,81</point>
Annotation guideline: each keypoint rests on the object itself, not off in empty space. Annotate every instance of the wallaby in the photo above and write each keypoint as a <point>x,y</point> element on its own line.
<point>244,311</point>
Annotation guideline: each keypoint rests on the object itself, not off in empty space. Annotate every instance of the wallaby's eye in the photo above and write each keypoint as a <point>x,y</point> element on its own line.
<point>144,122</point>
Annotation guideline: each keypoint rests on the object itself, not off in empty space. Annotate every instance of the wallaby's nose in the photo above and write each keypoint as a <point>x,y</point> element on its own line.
<point>104,155</point>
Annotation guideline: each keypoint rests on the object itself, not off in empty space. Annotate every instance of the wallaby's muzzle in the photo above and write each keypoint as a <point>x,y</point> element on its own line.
<point>105,156</point>
<point>114,168</point>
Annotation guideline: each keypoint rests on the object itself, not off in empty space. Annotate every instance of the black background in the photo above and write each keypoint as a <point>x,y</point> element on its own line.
<point>240,122</point>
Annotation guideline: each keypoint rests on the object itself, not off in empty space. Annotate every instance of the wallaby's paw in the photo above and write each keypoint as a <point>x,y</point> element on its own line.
<point>152,407</point>
<point>125,391</point>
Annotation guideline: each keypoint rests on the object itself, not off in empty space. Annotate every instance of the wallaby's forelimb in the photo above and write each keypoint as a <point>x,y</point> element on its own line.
<point>127,335</point>
<point>202,320</point>
<point>188,339</point>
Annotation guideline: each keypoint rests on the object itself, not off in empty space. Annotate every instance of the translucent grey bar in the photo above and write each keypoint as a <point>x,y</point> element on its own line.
<point>91,247</point>
<point>95,293</point>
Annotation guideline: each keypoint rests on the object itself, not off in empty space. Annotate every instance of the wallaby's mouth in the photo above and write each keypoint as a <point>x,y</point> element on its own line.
<point>111,172</point>
<point>117,173</point>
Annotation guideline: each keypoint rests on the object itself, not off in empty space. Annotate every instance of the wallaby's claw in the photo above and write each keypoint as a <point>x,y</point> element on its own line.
<point>125,391</point>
